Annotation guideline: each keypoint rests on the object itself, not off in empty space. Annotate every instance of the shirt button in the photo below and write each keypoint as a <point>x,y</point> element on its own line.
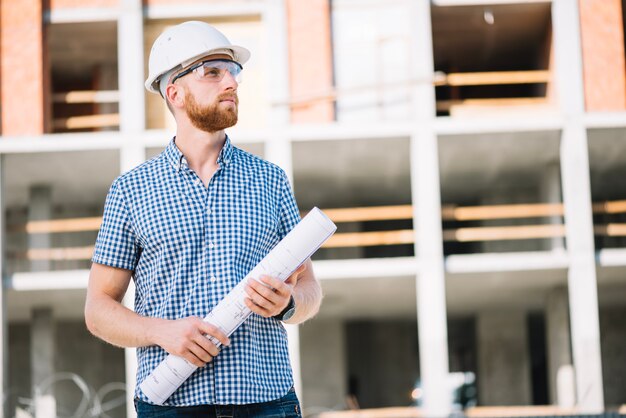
<point>213,279</point>
<point>208,211</point>
<point>211,245</point>
<point>197,182</point>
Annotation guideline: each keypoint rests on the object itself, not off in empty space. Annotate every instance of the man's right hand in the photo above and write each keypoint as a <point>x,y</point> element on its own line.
<point>188,338</point>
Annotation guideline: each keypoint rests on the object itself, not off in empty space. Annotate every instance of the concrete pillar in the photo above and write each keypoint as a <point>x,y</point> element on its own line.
<point>40,209</point>
<point>550,192</point>
<point>278,147</point>
<point>323,348</point>
<point>42,355</point>
<point>602,36</point>
<point>560,369</point>
<point>131,155</point>
<point>310,59</point>
<point>130,66</point>
<point>582,284</point>
<point>431,295</point>
<point>24,67</point>
<point>503,359</point>
<point>4,340</point>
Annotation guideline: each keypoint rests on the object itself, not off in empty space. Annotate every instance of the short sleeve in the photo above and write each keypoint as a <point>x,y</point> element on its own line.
<point>116,245</point>
<point>289,214</point>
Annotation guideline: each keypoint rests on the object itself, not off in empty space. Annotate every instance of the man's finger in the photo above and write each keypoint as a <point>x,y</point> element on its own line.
<point>213,331</point>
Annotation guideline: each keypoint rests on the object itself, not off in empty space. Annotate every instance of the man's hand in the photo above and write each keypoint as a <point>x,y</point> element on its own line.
<point>188,338</point>
<point>270,296</point>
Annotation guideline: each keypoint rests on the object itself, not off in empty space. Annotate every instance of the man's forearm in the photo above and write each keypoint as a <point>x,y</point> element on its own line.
<point>114,323</point>
<point>307,295</point>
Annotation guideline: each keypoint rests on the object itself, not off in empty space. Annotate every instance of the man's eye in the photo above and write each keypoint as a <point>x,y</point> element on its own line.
<point>212,72</point>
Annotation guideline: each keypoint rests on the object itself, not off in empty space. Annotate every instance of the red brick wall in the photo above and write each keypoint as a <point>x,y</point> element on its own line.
<point>24,78</point>
<point>602,36</point>
<point>310,59</point>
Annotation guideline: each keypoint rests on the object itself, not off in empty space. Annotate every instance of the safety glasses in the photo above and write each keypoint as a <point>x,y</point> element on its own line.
<point>212,70</point>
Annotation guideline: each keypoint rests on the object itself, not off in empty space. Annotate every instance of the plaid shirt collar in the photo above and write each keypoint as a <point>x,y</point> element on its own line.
<point>177,160</point>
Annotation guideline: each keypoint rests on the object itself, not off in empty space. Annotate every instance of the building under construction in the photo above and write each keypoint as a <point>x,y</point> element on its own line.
<point>471,152</point>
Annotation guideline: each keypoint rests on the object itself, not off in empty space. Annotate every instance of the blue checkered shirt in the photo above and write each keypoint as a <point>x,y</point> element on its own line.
<point>188,246</point>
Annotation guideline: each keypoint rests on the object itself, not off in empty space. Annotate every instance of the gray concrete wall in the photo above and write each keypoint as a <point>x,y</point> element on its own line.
<point>323,365</point>
<point>503,359</point>
<point>77,352</point>
<point>613,343</point>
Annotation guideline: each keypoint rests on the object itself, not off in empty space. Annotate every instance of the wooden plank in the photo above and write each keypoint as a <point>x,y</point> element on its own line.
<point>615,206</point>
<point>475,213</point>
<point>496,77</point>
<point>89,121</point>
<point>369,239</point>
<point>64,225</point>
<point>518,411</point>
<point>498,233</point>
<point>446,105</point>
<point>610,230</point>
<point>87,96</point>
<point>393,412</point>
<point>66,253</point>
<point>372,213</point>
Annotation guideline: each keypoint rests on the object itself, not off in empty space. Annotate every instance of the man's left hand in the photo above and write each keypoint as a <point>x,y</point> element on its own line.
<point>270,296</point>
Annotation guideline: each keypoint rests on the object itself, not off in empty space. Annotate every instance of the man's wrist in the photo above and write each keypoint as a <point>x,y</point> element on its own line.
<point>288,312</point>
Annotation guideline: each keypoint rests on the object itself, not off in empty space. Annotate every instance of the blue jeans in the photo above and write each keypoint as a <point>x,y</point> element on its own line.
<point>285,407</point>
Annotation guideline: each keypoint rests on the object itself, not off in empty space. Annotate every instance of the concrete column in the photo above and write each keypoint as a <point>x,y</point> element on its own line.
<point>40,209</point>
<point>550,191</point>
<point>503,359</point>
<point>131,155</point>
<point>561,371</point>
<point>431,295</point>
<point>130,66</point>
<point>582,284</point>
<point>278,147</point>
<point>324,366</point>
<point>4,340</point>
<point>24,67</point>
<point>42,355</point>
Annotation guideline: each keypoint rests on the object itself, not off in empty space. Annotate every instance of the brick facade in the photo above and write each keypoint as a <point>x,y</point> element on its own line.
<point>310,59</point>
<point>602,34</point>
<point>24,69</point>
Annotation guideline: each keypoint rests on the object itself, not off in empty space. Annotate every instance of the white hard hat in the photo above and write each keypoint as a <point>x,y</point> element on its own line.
<point>181,45</point>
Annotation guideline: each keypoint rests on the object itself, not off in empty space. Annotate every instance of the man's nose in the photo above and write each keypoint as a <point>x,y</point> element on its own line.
<point>230,81</point>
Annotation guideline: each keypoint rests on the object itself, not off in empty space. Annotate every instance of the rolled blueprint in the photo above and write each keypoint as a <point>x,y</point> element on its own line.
<point>285,258</point>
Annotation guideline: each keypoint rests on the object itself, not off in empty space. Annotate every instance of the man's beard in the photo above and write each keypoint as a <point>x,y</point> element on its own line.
<point>211,118</point>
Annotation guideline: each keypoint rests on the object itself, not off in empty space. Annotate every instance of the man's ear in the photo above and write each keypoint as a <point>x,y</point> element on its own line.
<point>174,96</point>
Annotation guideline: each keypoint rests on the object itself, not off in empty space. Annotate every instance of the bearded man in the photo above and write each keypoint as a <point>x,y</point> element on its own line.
<point>187,226</point>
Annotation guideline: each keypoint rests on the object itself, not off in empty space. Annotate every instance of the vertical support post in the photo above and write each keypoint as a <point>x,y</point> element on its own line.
<point>130,71</point>
<point>278,146</point>
<point>582,286</point>
<point>40,209</point>
<point>431,296</point>
<point>561,371</point>
<point>42,354</point>
<point>132,120</point>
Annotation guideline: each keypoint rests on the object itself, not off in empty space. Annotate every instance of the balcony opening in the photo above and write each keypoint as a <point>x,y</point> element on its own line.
<point>513,206</point>
<point>492,59</point>
<point>84,84</point>
<point>364,186</point>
